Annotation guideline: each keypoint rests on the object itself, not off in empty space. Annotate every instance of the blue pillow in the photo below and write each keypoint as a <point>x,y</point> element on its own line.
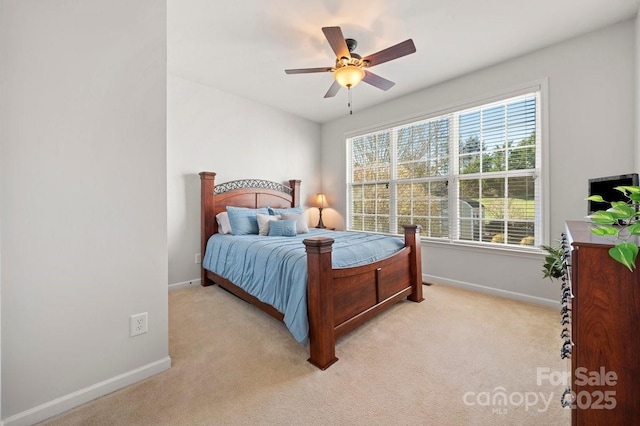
<point>244,221</point>
<point>273,211</point>
<point>282,228</point>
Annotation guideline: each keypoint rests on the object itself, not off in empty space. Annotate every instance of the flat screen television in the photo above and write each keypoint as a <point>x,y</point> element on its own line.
<point>604,187</point>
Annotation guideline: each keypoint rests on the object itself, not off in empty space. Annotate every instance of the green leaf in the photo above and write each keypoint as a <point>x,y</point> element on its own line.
<point>632,189</point>
<point>602,230</point>
<point>634,196</point>
<point>597,198</point>
<point>634,229</point>
<point>625,253</point>
<point>622,210</point>
<point>618,203</point>
<point>602,217</point>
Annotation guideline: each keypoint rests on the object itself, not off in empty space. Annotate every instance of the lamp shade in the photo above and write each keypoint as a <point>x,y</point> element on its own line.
<point>348,75</point>
<point>321,200</point>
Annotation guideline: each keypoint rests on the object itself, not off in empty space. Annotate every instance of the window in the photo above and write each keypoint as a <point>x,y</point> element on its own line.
<point>471,175</point>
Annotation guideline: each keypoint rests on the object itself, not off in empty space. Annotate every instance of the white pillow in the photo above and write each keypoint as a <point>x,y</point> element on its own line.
<point>224,227</point>
<point>263,223</point>
<point>301,221</point>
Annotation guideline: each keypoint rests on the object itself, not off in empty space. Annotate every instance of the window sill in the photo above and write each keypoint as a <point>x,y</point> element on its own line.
<point>527,252</point>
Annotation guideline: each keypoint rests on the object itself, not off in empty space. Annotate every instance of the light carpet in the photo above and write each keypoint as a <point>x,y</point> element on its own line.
<point>458,358</point>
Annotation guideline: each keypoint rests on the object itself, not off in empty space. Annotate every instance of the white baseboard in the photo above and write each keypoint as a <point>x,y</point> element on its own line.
<point>185,284</point>
<point>492,291</point>
<point>77,398</point>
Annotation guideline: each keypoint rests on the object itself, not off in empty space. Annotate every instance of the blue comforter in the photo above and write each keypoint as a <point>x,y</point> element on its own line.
<point>274,269</point>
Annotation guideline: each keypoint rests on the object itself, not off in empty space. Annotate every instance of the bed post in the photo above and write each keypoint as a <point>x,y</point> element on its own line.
<point>412,239</point>
<point>207,218</point>
<point>322,341</point>
<point>294,184</point>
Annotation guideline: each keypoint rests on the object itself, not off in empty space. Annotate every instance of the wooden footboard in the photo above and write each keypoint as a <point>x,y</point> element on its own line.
<point>341,299</point>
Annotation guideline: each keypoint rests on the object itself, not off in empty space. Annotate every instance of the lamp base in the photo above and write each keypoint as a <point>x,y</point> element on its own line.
<point>320,224</point>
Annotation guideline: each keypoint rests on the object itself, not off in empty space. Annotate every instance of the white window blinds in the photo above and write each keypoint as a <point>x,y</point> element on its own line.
<point>470,175</point>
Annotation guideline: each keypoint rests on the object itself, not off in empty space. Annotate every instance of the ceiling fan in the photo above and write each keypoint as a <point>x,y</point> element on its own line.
<point>350,68</point>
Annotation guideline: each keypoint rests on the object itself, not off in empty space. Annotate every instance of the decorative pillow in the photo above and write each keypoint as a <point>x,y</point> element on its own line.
<point>224,227</point>
<point>301,221</point>
<point>282,228</point>
<point>243,220</point>
<point>275,211</point>
<point>263,222</point>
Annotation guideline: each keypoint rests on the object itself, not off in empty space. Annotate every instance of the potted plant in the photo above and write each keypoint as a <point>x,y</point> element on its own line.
<point>552,267</point>
<point>619,223</point>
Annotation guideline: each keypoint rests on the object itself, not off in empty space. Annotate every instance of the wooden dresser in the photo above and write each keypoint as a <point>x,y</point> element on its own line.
<point>604,318</point>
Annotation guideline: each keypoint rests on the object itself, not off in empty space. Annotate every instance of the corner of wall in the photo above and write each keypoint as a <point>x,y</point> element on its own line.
<point>637,90</point>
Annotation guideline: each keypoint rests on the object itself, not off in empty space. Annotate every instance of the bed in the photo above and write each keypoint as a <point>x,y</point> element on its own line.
<point>337,298</point>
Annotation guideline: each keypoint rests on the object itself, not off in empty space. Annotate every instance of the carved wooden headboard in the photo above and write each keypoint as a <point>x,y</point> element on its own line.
<point>250,193</point>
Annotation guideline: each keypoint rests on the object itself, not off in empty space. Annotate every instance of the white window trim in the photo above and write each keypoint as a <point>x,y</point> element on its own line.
<point>541,86</point>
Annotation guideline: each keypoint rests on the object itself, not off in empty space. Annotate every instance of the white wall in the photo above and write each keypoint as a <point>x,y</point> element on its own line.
<point>83,207</point>
<point>591,132</point>
<point>210,130</point>
<point>637,65</point>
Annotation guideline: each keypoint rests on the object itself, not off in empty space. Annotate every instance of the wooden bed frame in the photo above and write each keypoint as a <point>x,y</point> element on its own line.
<point>339,299</point>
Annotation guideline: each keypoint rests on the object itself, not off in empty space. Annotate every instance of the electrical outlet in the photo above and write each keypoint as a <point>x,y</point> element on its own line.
<point>198,258</point>
<point>138,324</point>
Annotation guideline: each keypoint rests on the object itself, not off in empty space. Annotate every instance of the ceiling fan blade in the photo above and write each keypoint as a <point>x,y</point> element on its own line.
<point>307,70</point>
<point>332,90</point>
<point>399,50</point>
<point>336,41</point>
<point>377,81</point>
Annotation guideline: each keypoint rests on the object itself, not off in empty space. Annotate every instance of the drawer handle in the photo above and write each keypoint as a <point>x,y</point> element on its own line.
<point>567,398</point>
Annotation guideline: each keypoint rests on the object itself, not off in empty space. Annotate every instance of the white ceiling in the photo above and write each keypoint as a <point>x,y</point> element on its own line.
<point>244,46</point>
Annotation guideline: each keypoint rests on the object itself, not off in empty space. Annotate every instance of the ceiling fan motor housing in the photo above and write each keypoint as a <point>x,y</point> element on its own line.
<point>355,58</point>
<point>351,44</point>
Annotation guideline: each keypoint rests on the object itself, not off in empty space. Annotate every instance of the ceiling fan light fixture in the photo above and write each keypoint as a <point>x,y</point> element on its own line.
<point>349,75</point>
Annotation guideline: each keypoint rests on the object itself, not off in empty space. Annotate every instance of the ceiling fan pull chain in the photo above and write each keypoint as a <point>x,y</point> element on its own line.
<point>349,103</point>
